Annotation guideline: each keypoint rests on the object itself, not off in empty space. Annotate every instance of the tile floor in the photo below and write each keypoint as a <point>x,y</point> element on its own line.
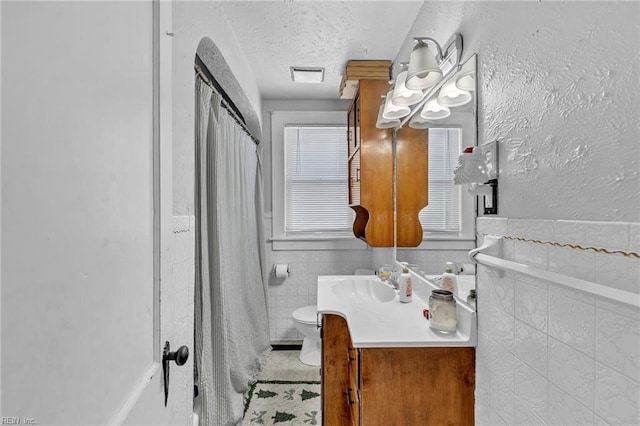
<point>286,365</point>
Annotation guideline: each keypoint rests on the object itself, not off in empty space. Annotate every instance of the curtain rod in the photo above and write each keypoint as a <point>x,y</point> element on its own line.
<point>225,104</point>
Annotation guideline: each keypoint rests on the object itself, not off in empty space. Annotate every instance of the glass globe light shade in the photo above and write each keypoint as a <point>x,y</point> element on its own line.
<point>423,72</point>
<point>451,96</point>
<point>432,110</point>
<point>392,111</point>
<point>402,96</point>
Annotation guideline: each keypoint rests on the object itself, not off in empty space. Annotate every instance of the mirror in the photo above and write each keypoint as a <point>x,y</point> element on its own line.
<point>449,115</point>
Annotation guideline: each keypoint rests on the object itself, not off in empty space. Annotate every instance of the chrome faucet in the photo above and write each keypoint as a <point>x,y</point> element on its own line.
<point>393,280</point>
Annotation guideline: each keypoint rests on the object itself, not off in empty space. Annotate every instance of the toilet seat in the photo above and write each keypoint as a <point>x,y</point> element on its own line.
<point>307,314</point>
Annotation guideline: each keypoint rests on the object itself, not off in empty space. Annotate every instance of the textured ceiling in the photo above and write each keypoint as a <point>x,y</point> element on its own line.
<point>278,35</point>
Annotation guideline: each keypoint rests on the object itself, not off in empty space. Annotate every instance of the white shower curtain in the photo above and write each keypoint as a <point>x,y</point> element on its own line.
<point>231,322</point>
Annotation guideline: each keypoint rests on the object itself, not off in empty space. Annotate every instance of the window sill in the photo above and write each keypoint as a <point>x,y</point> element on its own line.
<point>444,242</point>
<point>345,242</point>
<point>324,242</point>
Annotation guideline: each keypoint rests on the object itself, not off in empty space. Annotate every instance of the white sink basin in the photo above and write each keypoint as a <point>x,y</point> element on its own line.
<point>364,289</point>
<point>377,319</point>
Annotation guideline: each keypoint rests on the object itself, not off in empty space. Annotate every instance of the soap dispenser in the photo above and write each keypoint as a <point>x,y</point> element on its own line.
<point>449,279</point>
<point>405,287</point>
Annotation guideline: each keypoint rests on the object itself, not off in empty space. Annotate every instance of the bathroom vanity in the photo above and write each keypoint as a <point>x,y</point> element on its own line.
<point>383,365</point>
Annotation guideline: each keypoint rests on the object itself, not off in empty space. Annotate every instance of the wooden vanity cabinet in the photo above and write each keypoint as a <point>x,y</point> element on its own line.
<point>394,386</point>
<point>371,173</point>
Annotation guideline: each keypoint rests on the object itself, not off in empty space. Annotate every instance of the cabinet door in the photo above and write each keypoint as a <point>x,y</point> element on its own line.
<point>376,166</point>
<point>412,150</point>
<point>336,410</point>
<point>353,360</point>
<point>417,386</point>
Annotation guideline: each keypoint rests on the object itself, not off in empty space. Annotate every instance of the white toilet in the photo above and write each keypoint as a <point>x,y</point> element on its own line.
<point>306,321</point>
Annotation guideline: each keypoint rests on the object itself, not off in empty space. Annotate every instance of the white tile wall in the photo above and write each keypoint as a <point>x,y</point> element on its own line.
<point>300,288</point>
<point>550,355</point>
<point>181,399</point>
<point>432,262</point>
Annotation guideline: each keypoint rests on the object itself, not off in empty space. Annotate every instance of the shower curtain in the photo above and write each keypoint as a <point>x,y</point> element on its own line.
<point>231,324</point>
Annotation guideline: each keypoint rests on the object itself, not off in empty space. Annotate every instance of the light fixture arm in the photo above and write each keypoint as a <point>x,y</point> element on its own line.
<point>435,43</point>
<point>449,57</point>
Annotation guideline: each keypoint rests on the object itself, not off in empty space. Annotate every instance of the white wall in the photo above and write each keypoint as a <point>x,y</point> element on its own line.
<point>193,20</point>
<point>559,87</point>
<point>77,228</point>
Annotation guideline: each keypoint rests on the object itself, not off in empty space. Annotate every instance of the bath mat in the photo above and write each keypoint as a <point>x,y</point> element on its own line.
<point>278,402</point>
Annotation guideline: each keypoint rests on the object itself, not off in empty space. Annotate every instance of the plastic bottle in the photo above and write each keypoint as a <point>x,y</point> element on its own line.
<point>449,281</point>
<point>405,287</point>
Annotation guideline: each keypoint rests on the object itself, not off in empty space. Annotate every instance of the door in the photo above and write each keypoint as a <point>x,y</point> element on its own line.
<point>86,211</point>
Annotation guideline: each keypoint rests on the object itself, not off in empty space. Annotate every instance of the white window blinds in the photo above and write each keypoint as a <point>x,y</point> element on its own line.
<point>316,187</point>
<point>443,214</point>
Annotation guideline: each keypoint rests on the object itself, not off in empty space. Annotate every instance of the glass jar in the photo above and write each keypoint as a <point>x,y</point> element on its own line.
<point>442,311</point>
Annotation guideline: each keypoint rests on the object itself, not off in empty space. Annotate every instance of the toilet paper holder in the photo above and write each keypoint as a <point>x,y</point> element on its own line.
<point>281,270</point>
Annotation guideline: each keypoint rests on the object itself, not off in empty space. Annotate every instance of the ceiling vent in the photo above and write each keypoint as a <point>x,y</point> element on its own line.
<point>307,75</point>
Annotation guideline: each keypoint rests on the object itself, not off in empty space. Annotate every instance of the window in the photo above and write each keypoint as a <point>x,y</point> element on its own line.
<point>309,184</point>
<point>443,214</point>
<point>316,187</point>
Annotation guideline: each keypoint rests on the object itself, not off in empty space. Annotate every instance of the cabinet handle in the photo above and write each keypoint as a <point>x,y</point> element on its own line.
<point>357,175</point>
<point>349,359</point>
<point>349,400</point>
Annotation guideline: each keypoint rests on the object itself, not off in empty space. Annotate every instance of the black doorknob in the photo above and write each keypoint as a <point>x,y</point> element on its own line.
<point>180,357</point>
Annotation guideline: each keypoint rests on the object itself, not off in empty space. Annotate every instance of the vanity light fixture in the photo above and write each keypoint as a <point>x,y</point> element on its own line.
<point>383,123</point>
<point>424,71</point>
<point>307,74</point>
<point>392,111</point>
<point>432,110</point>
<point>402,95</point>
<point>429,62</point>
<point>417,122</point>
<point>466,78</point>
<point>450,95</point>
<point>429,69</point>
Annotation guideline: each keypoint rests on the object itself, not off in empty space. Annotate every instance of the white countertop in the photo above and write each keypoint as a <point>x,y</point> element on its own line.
<point>374,324</point>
